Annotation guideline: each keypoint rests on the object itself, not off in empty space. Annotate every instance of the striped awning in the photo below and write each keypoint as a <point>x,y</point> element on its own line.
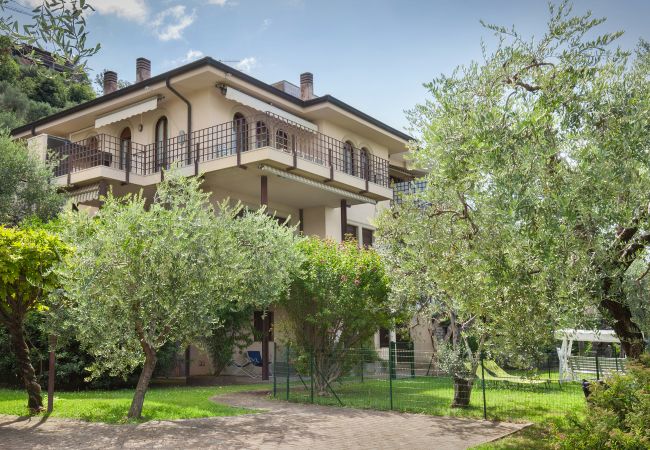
<point>248,100</point>
<point>318,185</point>
<point>129,111</point>
<point>85,194</point>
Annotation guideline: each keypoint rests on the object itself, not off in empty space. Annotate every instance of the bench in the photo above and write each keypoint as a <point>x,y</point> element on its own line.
<point>598,366</point>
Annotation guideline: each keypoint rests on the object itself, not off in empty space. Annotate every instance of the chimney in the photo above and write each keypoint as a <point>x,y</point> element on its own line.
<point>110,82</point>
<point>306,85</point>
<point>142,69</point>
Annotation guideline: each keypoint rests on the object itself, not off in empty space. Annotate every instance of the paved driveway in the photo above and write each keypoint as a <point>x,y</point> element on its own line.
<point>282,425</point>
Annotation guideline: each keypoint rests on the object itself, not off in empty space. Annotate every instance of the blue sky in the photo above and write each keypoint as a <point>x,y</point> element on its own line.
<point>374,55</point>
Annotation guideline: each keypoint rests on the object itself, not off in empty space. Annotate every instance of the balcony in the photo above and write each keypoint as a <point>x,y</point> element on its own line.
<point>239,140</point>
<point>406,188</point>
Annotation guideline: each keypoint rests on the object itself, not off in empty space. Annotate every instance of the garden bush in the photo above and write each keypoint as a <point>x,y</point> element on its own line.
<point>618,414</point>
<point>71,362</point>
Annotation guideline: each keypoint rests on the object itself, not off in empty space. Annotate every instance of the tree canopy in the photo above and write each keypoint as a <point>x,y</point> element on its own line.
<point>537,199</point>
<point>28,259</point>
<point>26,188</point>
<point>56,24</point>
<point>144,275</point>
<point>337,300</point>
<point>31,91</point>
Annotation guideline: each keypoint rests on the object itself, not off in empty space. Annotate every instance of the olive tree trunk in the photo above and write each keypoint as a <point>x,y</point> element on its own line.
<point>21,352</point>
<point>627,248</point>
<point>462,392</point>
<point>135,412</point>
<point>621,319</point>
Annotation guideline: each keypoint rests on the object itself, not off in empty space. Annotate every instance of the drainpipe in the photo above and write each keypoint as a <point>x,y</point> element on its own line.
<point>188,140</point>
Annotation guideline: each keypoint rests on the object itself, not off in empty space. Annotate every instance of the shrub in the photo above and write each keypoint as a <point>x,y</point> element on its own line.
<point>618,413</point>
<point>337,301</point>
<point>71,362</point>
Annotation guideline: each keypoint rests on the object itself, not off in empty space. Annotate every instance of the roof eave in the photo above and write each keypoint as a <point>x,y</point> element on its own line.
<point>208,61</point>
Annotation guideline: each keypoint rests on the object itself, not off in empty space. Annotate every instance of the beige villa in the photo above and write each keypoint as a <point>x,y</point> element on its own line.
<point>315,160</point>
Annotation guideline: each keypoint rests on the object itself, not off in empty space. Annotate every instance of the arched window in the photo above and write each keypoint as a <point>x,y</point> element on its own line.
<point>90,155</point>
<point>348,158</point>
<point>364,164</point>
<point>160,157</point>
<point>125,148</point>
<point>240,133</point>
<point>261,135</point>
<point>281,140</point>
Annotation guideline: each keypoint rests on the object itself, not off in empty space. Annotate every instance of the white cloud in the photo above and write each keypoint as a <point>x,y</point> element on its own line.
<point>266,23</point>
<point>191,55</point>
<point>246,64</point>
<point>134,10</point>
<point>170,23</point>
<point>219,2</point>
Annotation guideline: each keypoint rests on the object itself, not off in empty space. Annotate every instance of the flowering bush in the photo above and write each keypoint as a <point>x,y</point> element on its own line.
<point>337,301</point>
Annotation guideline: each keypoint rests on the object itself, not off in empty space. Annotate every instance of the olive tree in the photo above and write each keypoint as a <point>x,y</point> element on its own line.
<point>59,25</point>
<point>143,275</point>
<point>28,258</point>
<point>26,188</point>
<point>540,151</point>
<point>442,269</point>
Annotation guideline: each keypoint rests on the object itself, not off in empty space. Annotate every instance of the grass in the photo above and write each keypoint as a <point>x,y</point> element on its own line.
<point>433,395</point>
<point>539,436</point>
<point>534,437</point>
<point>112,406</point>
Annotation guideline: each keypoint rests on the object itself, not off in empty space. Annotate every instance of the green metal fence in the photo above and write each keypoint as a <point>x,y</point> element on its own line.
<point>406,380</point>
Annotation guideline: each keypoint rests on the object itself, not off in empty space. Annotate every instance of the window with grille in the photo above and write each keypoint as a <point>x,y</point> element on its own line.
<point>281,140</point>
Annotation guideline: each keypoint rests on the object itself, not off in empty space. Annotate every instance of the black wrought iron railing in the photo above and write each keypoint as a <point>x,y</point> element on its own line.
<point>99,150</point>
<point>226,139</point>
<point>404,188</point>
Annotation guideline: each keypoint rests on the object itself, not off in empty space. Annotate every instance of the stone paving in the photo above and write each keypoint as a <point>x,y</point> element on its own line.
<point>280,426</point>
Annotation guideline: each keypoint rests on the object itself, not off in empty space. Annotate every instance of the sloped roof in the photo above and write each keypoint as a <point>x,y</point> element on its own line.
<point>208,61</point>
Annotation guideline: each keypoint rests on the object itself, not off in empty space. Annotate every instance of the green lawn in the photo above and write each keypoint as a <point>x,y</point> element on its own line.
<point>112,406</point>
<point>433,395</point>
<point>539,436</point>
<point>534,437</point>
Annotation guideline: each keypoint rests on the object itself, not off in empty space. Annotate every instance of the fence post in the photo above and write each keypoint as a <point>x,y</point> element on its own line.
<point>483,387</point>
<point>391,353</point>
<point>362,354</point>
<point>548,366</point>
<point>597,368</point>
<point>288,370</point>
<point>412,358</point>
<point>51,374</point>
<point>311,375</point>
<point>275,372</point>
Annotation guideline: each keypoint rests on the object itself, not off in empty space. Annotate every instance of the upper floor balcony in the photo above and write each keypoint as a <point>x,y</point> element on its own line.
<point>262,139</point>
<point>404,188</point>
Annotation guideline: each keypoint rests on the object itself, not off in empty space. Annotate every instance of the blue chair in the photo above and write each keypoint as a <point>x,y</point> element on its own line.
<point>251,358</point>
<point>255,358</point>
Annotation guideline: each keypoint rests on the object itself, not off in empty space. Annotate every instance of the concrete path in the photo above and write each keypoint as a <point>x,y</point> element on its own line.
<point>281,426</point>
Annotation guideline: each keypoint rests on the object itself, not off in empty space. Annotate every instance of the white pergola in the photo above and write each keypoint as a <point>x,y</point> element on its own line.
<point>569,335</point>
